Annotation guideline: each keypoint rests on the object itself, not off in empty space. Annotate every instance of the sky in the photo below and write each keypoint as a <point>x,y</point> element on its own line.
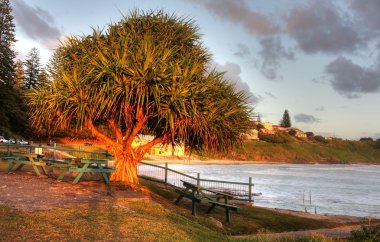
<point>319,59</point>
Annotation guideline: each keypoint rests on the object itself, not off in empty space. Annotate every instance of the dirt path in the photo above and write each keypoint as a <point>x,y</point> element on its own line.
<point>24,190</point>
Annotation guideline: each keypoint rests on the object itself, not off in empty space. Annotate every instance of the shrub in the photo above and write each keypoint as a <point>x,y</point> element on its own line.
<point>292,132</point>
<point>366,233</point>
<point>310,134</point>
<point>279,138</point>
<point>320,139</point>
<point>366,139</point>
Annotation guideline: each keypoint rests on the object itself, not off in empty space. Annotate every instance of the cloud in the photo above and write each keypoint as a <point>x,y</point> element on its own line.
<point>367,13</point>
<point>318,27</point>
<point>232,73</point>
<point>271,52</point>
<point>305,118</point>
<point>242,51</point>
<point>320,108</point>
<point>37,23</point>
<point>238,11</point>
<point>352,80</point>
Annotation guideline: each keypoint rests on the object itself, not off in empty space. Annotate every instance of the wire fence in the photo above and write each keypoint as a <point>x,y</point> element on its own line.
<point>163,174</point>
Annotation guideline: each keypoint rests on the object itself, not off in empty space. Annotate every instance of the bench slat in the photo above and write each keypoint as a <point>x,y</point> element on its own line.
<point>225,205</point>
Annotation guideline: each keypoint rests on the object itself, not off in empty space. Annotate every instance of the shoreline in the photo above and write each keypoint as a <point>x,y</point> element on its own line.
<point>195,161</point>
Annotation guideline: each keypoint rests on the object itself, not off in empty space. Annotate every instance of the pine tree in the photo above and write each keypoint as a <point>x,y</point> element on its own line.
<point>43,78</point>
<point>32,69</point>
<point>7,40</point>
<point>19,75</point>
<point>285,122</point>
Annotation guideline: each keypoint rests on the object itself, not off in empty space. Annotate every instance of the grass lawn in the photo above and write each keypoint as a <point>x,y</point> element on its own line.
<point>133,221</point>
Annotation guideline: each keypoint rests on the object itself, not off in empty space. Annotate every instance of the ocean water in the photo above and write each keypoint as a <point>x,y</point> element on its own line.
<point>333,189</point>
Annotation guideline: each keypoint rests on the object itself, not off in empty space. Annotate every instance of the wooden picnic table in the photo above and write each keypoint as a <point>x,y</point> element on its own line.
<point>34,160</point>
<point>83,167</point>
<point>198,194</point>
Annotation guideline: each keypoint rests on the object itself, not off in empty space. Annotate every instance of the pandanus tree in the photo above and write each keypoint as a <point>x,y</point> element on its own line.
<point>147,74</point>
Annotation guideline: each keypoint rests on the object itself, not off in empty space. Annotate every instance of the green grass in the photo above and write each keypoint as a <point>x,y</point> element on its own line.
<point>344,152</point>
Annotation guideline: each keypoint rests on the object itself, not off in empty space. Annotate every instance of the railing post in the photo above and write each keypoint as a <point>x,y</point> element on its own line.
<point>9,151</point>
<point>30,146</point>
<point>55,146</point>
<point>198,181</point>
<point>250,190</point>
<point>166,173</point>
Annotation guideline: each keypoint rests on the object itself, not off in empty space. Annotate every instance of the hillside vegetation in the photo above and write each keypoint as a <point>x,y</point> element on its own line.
<point>336,151</point>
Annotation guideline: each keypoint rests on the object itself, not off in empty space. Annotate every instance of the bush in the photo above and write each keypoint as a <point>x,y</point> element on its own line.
<point>366,139</point>
<point>292,132</point>
<point>310,134</point>
<point>279,138</point>
<point>376,144</point>
<point>367,233</point>
<point>320,139</point>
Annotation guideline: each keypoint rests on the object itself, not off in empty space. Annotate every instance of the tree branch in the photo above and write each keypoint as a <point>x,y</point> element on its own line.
<point>116,130</point>
<point>141,119</point>
<point>98,134</point>
<point>157,140</point>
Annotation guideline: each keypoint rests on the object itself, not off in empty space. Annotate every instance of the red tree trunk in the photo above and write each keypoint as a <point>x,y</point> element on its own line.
<point>126,168</point>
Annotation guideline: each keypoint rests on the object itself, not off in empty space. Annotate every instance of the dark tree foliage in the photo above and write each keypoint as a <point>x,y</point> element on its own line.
<point>12,111</point>
<point>292,132</point>
<point>309,134</point>
<point>19,75</point>
<point>366,139</point>
<point>13,116</point>
<point>32,69</point>
<point>285,121</point>
<point>43,79</point>
<point>7,39</point>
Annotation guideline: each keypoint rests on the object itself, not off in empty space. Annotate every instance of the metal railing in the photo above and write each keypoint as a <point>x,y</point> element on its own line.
<point>163,174</point>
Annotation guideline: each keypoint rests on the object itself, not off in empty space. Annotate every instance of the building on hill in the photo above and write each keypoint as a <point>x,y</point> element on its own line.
<point>252,134</point>
<point>300,134</point>
<point>267,126</point>
<point>159,149</point>
<point>280,128</point>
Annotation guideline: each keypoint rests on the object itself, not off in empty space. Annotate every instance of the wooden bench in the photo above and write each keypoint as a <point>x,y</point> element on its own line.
<point>198,194</point>
<point>83,166</point>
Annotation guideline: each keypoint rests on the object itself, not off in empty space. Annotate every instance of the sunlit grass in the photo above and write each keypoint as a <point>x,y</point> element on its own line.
<point>132,221</point>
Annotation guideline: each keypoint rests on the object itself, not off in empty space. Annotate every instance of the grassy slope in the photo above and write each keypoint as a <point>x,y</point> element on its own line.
<point>332,152</point>
<point>134,221</point>
<point>248,220</point>
<point>141,221</point>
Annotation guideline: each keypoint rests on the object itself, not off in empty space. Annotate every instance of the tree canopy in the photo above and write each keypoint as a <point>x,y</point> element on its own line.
<point>12,110</point>
<point>7,40</point>
<point>147,74</point>
<point>32,69</point>
<point>285,121</point>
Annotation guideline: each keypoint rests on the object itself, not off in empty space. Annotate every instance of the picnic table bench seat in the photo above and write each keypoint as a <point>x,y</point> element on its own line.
<point>83,167</point>
<point>197,195</point>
